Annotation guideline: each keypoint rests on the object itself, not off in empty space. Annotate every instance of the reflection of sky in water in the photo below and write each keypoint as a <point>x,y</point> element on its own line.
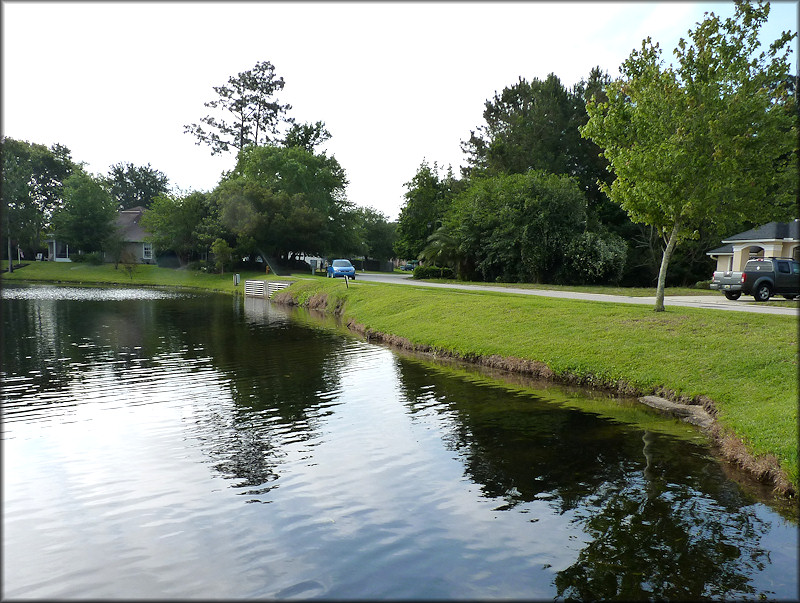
<point>43,292</point>
<point>85,293</point>
<point>239,455</point>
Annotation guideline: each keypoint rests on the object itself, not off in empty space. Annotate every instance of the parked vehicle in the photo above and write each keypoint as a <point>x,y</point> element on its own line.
<point>341,268</point>
<point>762,278</point>
<point>410,266</point>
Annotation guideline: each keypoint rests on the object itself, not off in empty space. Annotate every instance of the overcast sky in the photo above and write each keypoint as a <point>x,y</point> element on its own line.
<point>395,83</point>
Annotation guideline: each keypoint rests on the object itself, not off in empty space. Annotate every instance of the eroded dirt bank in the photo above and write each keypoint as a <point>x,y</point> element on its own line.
<point>700,411</point>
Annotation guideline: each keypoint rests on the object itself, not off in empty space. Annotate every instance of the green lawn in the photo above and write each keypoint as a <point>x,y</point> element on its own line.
<point>630,291</point>
<point>747,363</point>
<point>143,274</point>
<point>607,289</point>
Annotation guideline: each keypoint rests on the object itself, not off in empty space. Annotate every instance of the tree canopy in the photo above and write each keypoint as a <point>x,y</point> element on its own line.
<point>251,113</point>
<point>176,223</point>
<point>428,196</point>
<point>287,199</point>
<point>516,227</point>
<point>32,190</point>
<point>86,219</point>
<point>534,125</point>
<point>712,138</point>
<point>527,127</point>
<point>376,233</point>
<point>132,186</point>
<point>307,136</point>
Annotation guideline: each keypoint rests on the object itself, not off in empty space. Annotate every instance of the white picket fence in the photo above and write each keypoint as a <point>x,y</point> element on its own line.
<point>263,288</point>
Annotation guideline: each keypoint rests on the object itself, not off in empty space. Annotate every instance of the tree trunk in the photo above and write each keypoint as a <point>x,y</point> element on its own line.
<point>662,272</point>
<point>10,259</point>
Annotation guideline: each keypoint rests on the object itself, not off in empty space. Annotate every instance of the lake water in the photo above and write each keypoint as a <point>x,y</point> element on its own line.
<point>172,445</point>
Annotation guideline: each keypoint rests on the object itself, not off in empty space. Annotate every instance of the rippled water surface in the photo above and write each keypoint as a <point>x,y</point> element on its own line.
<point>198,446</point>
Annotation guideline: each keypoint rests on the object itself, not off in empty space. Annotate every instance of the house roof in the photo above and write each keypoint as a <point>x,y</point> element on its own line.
<point>769,232</point>
<point>724,250</point>
<point>128,224</point>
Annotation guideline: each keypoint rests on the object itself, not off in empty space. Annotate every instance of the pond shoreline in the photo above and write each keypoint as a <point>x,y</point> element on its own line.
<point>765,468</point>
<point>700,411</point>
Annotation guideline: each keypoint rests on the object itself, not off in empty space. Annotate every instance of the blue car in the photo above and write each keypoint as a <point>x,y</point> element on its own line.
<point>341,268</point>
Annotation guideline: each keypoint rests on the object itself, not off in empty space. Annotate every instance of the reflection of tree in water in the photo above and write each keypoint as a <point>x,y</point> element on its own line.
<point>273,371</point>
<point>494,429</point>
<point>664,541</point>
<point>55,342</point>
<point>246,453</point>
<point>660,518</point>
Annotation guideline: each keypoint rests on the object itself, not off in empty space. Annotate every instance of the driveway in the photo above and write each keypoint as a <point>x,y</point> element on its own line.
<point>714,302</point>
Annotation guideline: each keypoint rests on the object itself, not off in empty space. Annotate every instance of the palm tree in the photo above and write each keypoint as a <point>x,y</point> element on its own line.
<point>442,250</point>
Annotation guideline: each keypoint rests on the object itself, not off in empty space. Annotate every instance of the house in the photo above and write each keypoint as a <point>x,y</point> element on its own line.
<point>133,235</point>
<point>776,239</point>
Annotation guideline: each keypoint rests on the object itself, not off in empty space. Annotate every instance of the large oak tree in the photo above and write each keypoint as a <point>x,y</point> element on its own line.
<point>287,199</point>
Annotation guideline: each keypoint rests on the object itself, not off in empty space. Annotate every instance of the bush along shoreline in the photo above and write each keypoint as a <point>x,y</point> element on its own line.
<point>701,410</point>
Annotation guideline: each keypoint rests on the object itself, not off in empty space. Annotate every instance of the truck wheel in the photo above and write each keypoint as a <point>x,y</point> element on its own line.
<point>763,292</point>
<point>733,295</point>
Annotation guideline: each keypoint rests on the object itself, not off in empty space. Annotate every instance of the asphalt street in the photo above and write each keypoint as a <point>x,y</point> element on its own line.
<point>714,302</point>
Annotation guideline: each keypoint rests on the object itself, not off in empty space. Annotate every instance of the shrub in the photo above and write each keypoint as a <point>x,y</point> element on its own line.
<point>223,254</point>
<point>128,261</point>
<point>594,258</point>
<point>95,258</point>
<point>421,272</point>
<point>199,265</point>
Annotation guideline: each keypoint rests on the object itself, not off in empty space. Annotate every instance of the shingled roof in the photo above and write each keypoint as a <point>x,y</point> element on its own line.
<point>774,231</point>
<point>724,250</point>
<point>128,224</point>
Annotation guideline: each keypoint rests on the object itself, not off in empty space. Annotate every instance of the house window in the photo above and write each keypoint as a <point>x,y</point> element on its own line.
<point>147,251</point>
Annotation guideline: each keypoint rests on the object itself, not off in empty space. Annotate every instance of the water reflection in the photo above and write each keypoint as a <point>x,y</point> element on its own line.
<point>659,517</point>
<point>154,421</point>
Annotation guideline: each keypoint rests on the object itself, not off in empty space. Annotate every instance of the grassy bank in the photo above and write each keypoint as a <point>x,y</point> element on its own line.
<point>632,291</point>
<point>606,289</point>
<point>106,274</point>
<point>745,363</point>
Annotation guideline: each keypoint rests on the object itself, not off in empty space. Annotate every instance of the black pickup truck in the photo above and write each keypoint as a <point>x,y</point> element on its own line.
<point>762,278</point>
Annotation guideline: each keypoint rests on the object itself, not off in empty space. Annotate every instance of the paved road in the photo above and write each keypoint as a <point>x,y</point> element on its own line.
<point>715,302</point>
